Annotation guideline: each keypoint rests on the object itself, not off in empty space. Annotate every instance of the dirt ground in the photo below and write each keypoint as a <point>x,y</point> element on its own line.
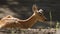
<point>29,31</point>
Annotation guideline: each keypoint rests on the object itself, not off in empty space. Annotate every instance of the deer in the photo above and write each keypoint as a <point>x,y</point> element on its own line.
<point>27,23</point>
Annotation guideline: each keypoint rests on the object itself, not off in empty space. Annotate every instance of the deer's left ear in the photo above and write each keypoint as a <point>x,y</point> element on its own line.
<point>40,11</point>
<point>34,8</point>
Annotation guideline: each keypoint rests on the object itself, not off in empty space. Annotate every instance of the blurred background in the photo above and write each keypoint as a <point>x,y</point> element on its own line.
<point>22,9</point>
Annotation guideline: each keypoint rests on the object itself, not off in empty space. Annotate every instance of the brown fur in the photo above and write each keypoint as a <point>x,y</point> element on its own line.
<point>28,23</point>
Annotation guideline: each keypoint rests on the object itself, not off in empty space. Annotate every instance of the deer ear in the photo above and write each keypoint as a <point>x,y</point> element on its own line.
<point>34,8</point>
<point>40,11</point>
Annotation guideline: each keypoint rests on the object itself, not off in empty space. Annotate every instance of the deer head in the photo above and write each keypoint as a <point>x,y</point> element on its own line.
<point>38,14</point>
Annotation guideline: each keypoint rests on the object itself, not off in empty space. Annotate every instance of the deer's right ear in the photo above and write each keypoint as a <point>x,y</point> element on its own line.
<point>34,8</point>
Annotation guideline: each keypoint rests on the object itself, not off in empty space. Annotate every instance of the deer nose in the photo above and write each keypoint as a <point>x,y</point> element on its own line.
<point>45,19</point>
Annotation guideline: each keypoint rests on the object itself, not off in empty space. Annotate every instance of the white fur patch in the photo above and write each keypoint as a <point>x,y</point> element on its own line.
<point>40,11</point>
<point>34,14</point>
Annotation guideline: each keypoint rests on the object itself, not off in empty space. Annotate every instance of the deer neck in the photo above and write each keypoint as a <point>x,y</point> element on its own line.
<point>30,22</point>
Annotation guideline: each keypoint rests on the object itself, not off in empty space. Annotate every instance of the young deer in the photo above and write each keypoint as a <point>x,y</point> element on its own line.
<point>28,23</point>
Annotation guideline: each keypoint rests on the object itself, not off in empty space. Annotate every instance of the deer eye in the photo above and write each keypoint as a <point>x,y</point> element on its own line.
<point>40,13</point>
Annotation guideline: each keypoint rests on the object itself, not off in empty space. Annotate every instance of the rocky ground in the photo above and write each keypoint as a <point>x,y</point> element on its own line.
<point>29,31</point>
